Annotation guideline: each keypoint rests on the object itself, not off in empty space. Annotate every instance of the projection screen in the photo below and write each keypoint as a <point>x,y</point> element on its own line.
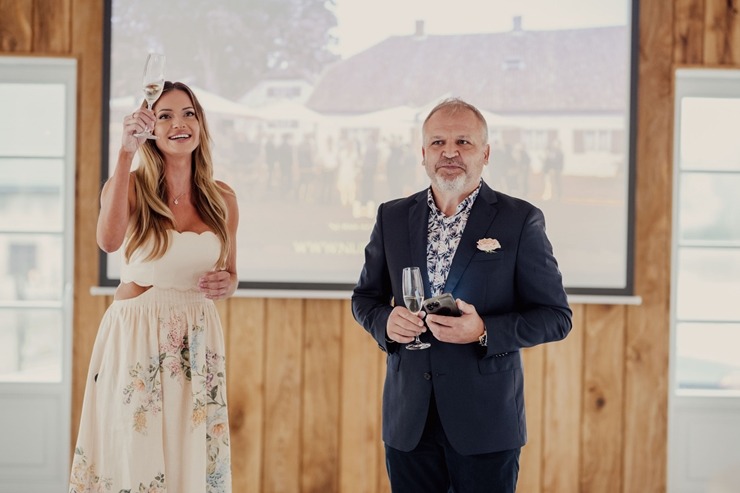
<point>315,110</point>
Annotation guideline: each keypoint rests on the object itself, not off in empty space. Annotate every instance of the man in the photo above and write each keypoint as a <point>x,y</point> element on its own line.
<point>453,414</point>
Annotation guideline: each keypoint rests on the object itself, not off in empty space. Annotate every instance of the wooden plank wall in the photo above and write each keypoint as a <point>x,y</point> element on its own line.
<point>305,382</point>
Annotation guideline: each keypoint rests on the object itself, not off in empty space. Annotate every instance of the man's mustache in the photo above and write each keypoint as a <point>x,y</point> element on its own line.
<point>450,162</point>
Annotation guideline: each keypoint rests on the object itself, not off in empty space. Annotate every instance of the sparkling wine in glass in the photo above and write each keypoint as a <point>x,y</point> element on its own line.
<point>153,84</point>
<point>413,295</point>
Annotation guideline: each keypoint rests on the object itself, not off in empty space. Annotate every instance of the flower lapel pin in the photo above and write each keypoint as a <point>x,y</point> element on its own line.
<point>488,245</point>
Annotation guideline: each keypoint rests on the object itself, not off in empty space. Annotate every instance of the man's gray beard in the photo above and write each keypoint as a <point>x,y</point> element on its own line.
<point>456,184</point>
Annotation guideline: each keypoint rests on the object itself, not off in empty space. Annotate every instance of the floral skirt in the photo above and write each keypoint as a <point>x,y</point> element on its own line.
<point>154,418</point>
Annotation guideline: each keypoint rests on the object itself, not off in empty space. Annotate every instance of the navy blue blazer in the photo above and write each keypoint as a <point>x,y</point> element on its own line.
<point>518,291</point>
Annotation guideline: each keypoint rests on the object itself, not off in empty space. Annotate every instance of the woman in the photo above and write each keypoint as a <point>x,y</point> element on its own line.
<point>154,416</point>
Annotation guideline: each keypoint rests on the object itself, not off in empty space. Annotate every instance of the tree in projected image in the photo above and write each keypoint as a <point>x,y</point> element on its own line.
<point>290,36</point>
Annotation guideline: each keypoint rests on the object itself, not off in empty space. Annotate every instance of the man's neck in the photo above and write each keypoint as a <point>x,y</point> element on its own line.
<point>447,201</point>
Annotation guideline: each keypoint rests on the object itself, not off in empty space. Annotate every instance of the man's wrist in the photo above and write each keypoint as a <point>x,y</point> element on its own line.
<point>483,339</point>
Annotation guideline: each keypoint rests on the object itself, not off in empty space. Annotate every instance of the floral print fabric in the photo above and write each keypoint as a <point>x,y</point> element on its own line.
<point>155,419</point>
<point>443,237</point>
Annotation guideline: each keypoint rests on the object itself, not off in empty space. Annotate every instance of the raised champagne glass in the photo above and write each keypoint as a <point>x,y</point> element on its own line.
<point>153,84</point>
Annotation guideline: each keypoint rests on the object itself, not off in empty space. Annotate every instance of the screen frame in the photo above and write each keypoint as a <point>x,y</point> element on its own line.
<point>334,290</point>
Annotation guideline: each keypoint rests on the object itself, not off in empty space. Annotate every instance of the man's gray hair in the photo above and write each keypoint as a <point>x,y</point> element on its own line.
<point>456,104</point>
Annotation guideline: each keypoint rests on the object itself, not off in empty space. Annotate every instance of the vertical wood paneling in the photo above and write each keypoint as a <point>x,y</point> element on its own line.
<point>603,387</point>
<point>359,420</point>
<point>283,364</point>
<point>530,462</point>
<point>647,328</point>
<point>86,326</point>
<point>51,25</point>
<point>722,42</point>
<point>563,403</point>
<point>322,360</point>
<point>16,20</point>
<point>383,485</point>
<point>86,19</point>
<point>689,31</point>
<point>246,391</point>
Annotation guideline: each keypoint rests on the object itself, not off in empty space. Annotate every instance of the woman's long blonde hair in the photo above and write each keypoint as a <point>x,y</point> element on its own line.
<point>151,218</point>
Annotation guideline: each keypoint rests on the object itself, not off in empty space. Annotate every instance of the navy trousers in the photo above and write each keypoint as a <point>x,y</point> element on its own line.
<point>434,466</point>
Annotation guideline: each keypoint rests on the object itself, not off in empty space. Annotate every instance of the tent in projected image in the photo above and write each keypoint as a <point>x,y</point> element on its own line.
<point>395,118</point>
<point>212,103</point>
<point>286,110</point>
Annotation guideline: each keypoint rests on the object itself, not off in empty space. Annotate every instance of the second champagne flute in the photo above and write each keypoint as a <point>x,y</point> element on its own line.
<point>153,84</point>
<point>413,295</point>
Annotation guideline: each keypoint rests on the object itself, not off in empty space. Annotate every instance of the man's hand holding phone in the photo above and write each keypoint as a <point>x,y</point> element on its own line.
<point>453,321</point>
<point>444,304</point>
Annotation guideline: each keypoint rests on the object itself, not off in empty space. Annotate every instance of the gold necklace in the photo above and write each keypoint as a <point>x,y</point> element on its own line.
<point>177,199</point>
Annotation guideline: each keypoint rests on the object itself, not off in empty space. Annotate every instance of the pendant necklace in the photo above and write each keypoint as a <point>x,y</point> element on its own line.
<point>177,199</point>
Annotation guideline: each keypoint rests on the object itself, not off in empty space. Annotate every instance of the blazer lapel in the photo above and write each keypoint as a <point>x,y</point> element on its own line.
<point>418,232</point>
<point>481,216</point>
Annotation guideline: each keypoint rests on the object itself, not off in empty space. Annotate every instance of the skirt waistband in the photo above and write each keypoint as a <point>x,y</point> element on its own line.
<point>163,296</point>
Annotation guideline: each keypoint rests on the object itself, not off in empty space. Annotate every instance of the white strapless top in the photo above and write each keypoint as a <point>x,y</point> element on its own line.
<point>188,257</point>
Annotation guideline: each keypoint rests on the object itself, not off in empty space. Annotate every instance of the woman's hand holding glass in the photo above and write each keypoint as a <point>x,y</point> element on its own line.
<point>136,123</point>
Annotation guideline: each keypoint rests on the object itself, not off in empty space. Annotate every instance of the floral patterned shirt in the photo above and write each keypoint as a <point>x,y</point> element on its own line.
<point>443,238</point>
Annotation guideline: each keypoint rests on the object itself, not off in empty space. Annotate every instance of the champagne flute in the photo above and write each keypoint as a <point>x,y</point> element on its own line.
<point>153,84</point>
<point>413,295</point>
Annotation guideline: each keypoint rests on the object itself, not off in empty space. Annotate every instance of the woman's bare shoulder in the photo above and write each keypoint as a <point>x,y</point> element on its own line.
<point>225,188</point>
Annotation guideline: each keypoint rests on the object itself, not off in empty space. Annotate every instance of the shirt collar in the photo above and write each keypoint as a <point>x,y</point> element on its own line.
<point>463,206</point>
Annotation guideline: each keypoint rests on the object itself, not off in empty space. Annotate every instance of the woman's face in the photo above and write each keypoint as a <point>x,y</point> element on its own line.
<point>177,128</point>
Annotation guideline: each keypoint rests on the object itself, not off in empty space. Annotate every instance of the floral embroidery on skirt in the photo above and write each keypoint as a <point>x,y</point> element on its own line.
<point>155,414</point>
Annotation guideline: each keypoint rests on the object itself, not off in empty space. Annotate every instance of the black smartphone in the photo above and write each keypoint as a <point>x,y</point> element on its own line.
<point>444,304</point>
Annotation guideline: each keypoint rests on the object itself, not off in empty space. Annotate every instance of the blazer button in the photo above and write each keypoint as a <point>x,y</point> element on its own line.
<point>427,376</point>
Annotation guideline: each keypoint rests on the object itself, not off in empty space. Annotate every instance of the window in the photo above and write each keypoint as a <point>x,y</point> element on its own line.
<point>707,243</point>
<point>704,398</point>
<point>537,139</point>
<point>32,231</point>
<point>283,92</point>
<point>37,172</point>
<point>592,141</point>
<point>513,64</point>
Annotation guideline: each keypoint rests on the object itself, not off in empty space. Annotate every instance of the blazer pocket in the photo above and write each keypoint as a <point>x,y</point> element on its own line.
<point>487,257</point>
<point>500,362</point>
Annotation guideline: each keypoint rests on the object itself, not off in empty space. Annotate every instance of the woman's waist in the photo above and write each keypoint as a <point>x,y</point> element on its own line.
<point>164,296</point>
<point>148,275</point>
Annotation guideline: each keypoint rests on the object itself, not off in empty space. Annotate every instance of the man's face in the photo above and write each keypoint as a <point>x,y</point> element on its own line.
<point>454,150</point>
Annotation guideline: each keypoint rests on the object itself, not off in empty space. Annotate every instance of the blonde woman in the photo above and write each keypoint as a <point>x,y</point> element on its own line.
<point>154,416</point>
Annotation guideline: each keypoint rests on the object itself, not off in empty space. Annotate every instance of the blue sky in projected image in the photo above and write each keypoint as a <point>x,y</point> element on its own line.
<point>361,24</point>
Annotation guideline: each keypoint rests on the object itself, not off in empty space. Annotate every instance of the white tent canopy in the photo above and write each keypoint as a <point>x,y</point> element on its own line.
<point>211,102</point>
